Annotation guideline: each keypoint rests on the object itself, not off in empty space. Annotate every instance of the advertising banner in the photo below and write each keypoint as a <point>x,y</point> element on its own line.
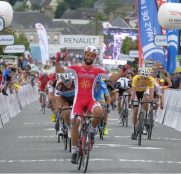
<point>80,41</point>
<point>148,28</point>
<point>113,40</point>
<point>43,42</point>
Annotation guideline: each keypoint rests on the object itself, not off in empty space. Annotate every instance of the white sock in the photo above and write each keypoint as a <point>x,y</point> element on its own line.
<point>74,149</point>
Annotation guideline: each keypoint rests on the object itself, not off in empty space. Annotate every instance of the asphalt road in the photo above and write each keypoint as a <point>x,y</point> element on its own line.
<point>28,144</point>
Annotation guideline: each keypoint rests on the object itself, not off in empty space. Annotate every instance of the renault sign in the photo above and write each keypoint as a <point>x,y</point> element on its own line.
<point>80,41</point>
<point>169,15</point>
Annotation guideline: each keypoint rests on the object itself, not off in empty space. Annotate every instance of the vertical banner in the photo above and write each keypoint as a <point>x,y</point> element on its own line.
<point>43,42</point>
<point>148,27</point>
<point>173,46</point>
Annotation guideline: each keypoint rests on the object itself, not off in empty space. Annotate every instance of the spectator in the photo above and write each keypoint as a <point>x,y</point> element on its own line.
<point>176,81</point>
<point>7,76</point>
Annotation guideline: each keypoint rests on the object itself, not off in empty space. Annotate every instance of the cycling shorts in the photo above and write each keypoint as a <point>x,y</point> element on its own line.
<point>80,106</point>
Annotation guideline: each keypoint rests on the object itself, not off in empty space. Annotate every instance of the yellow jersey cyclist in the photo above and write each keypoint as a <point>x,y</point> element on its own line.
<point>101,94</point>
<point>140,84</point>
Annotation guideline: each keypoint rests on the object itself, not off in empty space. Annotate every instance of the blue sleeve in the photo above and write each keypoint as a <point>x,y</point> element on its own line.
<point>106,92</point>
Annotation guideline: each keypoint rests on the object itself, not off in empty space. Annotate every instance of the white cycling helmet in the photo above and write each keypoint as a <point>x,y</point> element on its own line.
<point>91,49</point>
<point>145,72</point>
<point>122,83</point>
<point>66,77</point>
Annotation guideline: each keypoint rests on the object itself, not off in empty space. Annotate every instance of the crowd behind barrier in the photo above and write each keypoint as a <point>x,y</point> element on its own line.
<point>171,114</point>
<point>11,105</point>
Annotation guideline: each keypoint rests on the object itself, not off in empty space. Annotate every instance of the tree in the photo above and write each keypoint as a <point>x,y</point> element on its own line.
<point>88,3</point>
<point>61,8</point>
<point>129,44</point>
<point>35,7</point>
<point>74,4</point>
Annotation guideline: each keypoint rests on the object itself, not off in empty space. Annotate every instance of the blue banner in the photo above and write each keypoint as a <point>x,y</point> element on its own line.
<point>173,46</point>
<point>148,28</point>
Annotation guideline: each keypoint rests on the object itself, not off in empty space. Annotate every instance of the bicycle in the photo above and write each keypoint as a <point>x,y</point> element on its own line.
<point>44,102</point>
<point>84,142</point>
<point>65,136</point>
<point>65,129</point>
<point>145,119</point>
<point>123,115</point>
<point>101,125</point>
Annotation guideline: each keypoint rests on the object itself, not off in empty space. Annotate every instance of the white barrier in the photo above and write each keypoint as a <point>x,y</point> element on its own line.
<point>171,114</point>
<point>12,104</point>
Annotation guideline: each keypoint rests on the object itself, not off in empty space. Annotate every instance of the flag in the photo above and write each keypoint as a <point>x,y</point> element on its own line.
<point>148,27</point>
<point>173,46</point>
<point>43,42</point>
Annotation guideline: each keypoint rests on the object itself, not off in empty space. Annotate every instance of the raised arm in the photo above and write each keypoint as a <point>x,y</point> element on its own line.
<point>58,67</point>
<point>114,77</point>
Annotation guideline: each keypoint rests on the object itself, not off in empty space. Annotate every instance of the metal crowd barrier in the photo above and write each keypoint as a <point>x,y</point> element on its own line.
<point>171,114</point>
<point>11,105</point>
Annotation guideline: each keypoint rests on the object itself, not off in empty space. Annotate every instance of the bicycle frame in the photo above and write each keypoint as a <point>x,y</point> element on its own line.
<point>142,118</point>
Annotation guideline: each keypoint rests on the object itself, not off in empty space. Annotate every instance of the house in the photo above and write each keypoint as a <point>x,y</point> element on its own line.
<point>43,4</point>
<point>24,22</point>
<point>119,22</point>
<point>79,16</point>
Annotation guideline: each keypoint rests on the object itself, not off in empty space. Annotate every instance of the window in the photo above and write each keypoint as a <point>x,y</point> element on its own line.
<point>55,37</point>
<point>31,37</point>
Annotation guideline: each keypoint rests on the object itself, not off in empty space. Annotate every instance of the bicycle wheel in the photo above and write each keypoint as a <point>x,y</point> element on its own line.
<point>101,129</point>
<point>126,117</point>
<point>70,145</point>
<point>140,127</point>
<point>79,154</point>
<point>150,127</point>
<point>101,133</point>
<point>85,154</point>
<point>65,140</point>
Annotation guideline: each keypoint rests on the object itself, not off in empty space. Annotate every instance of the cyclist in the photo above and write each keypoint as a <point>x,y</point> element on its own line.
<point>51,97</point>
<point>65,89</point>
<point>113,93</point>
<point>140,84</point>
<point>43,81</point>
<point>86,75</point>
<point>123,85</point>
<point>101,94</point>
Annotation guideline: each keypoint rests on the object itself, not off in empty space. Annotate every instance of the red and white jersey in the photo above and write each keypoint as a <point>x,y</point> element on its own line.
<point>86,77</point>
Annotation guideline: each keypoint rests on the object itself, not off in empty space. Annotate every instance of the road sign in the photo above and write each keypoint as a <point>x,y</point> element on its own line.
<point>6,39</point>
<point>1,24</point>
<point>133,54</point>
<point>160,40</point>
<point>14,49</point>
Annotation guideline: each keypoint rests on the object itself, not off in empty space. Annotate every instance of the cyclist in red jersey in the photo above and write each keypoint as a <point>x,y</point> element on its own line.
<point>85,78</point>
<point>43,81</point>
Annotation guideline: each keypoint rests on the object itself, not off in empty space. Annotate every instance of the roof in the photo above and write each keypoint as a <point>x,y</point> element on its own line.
<point>81,13</point>
<point>29,19</point>
<point>119,22</point>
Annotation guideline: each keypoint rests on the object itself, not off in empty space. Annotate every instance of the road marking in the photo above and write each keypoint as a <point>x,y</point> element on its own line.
<point>151,161</point>
<point>112,145</point>
<point>146,148</point>
<point>167,139</point>
<point>49,160</point>
<point>50,129</point>
<point>91,160</point>
<point>50,136</point>
<point>42,123</point>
